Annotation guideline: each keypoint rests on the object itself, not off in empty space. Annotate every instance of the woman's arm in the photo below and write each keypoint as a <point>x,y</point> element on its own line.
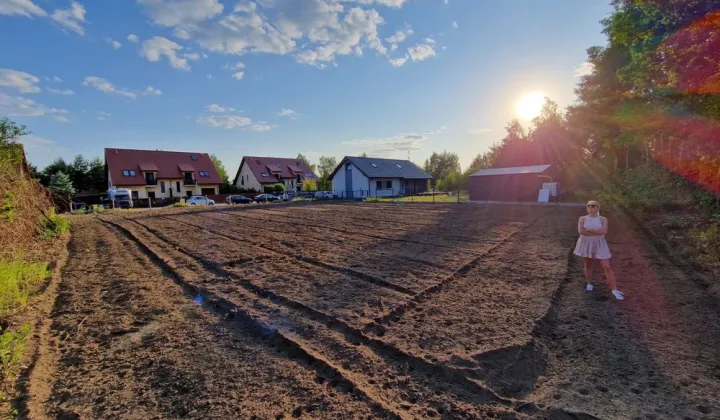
<point>581,227</point>
<point>602,231</point>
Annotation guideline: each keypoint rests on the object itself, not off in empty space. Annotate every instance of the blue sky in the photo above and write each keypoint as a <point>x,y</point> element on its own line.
<point>278,77</point>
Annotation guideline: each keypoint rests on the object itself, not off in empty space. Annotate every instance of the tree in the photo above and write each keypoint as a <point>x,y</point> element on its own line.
<point>440,165</point>
<point>60,184</point>
<point>364,155</point>
<point>220,168</point>
<point>302,158</point>
<point>96,175</point>
<point>78,171</point>
<point>58,165</point>
<point>309,185</point>
<point>9,133</point>
<point>326,166</point>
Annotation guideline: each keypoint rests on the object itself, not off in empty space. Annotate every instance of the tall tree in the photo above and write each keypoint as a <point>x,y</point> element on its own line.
<point>302,158</point>
<point>96,175</point>
<point>58,165</point>
<point>440,165</point>
<point>78,171</point>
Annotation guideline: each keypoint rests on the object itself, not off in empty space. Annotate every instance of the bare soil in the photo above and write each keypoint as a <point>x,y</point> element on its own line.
<point>369,311</point>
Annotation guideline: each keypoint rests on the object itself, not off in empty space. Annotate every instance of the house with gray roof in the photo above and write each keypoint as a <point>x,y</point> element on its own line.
<point>357,177</point>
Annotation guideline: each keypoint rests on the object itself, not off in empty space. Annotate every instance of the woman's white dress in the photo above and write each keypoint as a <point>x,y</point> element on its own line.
<point>594,247</point>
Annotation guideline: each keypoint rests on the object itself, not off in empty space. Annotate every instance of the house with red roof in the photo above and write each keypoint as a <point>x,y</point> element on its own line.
<point>258,172</point>
<point>161,174</point>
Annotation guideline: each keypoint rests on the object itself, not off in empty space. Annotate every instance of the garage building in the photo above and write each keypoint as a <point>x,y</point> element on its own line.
<point>516,184</point>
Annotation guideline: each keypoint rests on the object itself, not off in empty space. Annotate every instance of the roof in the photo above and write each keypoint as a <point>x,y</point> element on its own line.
<point>287,168</point>
<point>516,170</point>
<point>385,168</point>
<point>168,165</point>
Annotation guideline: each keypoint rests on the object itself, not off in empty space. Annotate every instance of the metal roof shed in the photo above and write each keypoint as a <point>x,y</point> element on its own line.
<point>514,184</point>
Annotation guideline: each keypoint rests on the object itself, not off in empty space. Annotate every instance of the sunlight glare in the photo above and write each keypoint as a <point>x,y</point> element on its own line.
<point>530,105</point>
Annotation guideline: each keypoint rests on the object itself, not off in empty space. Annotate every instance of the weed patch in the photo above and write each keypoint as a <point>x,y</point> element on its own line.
<point>55,225</point>
<point>17,279</point>
<point>12,344</point>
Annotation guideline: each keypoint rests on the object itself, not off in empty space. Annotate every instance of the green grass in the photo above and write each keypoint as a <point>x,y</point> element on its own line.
<point>17,279</point>
<point>54,225</point>
<point>12,345</point>
<point>444,198</point>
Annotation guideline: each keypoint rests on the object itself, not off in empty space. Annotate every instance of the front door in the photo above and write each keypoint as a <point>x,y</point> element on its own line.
<point>348,180</point>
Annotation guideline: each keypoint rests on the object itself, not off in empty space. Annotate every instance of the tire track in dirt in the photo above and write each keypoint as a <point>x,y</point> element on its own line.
<point>131,347</point>
<point>343,270</point>
<point>470,391</point>
<point>228,310</point>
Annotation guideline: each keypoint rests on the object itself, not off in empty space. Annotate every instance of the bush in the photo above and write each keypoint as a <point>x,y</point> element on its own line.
<point>17,279</point>
<point>180,204</point>
<point>708,243</point>
<point>373,200</point>
<point>54,225</point>
<point>279,188</point>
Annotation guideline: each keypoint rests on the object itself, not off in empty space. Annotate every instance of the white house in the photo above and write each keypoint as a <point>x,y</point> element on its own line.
<point>258,172</point>
<point>374,177</point>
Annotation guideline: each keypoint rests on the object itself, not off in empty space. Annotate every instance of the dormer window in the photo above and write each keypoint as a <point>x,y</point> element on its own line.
<point>128,172</point>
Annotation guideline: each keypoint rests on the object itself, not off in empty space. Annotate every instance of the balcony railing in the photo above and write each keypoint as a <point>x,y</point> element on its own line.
<point>150,182</point>
<point>190,181</point>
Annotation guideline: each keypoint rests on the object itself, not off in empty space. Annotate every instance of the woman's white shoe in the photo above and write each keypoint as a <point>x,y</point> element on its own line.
<point>618,294</point>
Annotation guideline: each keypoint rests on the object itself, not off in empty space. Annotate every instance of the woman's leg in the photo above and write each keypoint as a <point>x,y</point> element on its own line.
<point>588,270</point>
<point>609,273</point>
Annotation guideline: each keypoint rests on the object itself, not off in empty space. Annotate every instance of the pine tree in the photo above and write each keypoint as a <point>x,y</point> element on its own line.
<point>60,184</point>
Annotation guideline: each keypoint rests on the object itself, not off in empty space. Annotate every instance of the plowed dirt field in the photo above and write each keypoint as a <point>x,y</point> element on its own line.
<point>369,311</point>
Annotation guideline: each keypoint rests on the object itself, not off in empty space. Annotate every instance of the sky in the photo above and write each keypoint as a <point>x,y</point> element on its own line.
<point>390,78</point>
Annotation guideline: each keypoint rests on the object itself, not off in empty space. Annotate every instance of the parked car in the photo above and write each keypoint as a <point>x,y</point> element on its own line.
<point>324,195</point>
<point>238,199</point>
<point>198,200</point>
<point>264,198</point>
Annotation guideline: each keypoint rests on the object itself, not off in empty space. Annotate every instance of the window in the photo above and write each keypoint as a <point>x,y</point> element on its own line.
<point>128,172</point>
<point>277,164</point>
<point>204,173</point>
<point>177,185</point>
<point>378,185</point>
<point>264,175</point>
<point>373,165</point>
<point>162,187</point>
<point>398,165</point>
<point>242,180</point>
<point>193,157</point>
<point>388,185</point>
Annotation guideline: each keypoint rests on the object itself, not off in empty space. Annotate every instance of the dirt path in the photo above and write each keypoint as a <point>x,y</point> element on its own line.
<point>129,344</point>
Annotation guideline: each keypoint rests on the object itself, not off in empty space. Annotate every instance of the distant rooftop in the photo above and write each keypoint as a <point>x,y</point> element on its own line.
<point>516,170</point>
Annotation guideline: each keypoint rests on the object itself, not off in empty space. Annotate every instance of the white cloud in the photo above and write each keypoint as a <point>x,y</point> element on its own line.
<point>71,18</point>
<point>236,66</point>
<point>103,113</point>
<point>181,34</point>
<point>172,13</point>
<point>20,7</point>
<point>192,56</point>
<point>225,121</point>
<point>289,113</point>
<point>455,24</point>
<point>430,41</point>
<point>56,79</point>
<point>152,91</point>
<point>114,43</point>
<point>105,86</point>
<point>357,26</point>
<point>154,49</point>
<point>60,91</point>
<point>24,82</point>
<point>585,69</point>
<point>218,108</point>
<point>133,38</point>
<point>480,131</point>
<point>389,3</point>
<point>400,36</point>
<point>18,106</point>
<point>259,127</point>
<point>209,77</point>
<point>421,52</point>
<point>239,75</point>
<point>446,1</point>
<point>398,62</point>
<point>387,146</point>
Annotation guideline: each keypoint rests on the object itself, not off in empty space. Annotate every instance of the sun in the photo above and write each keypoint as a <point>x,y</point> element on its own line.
<point>530,105</point>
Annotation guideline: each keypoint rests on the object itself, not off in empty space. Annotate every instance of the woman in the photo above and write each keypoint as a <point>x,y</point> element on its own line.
<point>592,246</point>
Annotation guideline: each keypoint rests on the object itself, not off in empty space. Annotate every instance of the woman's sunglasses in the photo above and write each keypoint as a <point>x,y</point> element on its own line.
<point>592,205</point>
